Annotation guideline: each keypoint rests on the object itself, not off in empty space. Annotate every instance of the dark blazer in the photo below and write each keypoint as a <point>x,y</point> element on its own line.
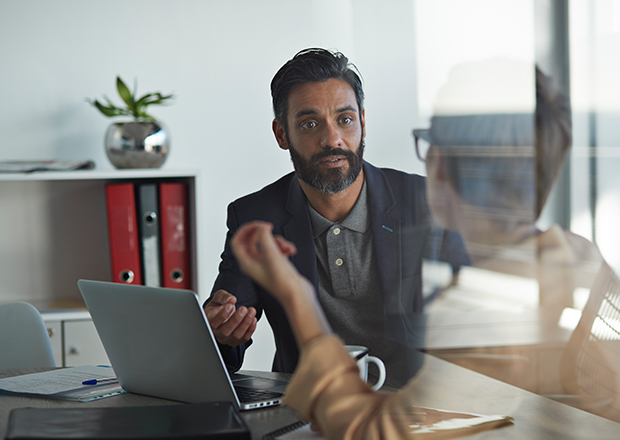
<point>400,226</point>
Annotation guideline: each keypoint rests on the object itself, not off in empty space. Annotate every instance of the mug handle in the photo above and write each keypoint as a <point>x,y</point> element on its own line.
<point>379,363</point>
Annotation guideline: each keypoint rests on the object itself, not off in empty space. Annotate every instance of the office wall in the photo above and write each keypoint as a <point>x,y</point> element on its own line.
<point>218,58</point>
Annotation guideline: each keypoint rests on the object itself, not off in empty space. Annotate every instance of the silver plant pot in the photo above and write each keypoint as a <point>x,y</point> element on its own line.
<point>137,144</point>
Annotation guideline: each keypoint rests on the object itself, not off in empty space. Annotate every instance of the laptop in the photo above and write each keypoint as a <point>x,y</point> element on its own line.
<point>160,344</point>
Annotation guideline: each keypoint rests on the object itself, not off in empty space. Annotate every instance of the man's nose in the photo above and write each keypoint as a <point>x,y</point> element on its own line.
<point>332,136</point>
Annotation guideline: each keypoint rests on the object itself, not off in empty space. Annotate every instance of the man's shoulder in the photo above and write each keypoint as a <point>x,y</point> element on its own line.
<point>398,181</point>
<point>275,193</point>
<point>390,173</point>
<point>402,176</point>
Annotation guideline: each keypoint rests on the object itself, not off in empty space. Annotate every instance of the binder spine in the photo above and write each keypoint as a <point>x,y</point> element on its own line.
<point>148,221</point>
<point>123,233</point>
<point>176,258</point>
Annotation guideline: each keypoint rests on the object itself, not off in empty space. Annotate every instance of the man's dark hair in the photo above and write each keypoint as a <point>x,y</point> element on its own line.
<point>309,65</point>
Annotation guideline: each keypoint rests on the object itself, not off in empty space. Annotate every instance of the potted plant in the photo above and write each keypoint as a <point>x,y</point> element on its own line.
<point>142,142</point>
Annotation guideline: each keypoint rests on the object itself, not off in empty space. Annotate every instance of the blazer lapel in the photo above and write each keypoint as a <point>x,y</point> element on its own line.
<point>299,231</point>
<point>386,231</point>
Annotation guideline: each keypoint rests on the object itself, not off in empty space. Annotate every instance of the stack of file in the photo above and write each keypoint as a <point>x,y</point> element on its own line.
<point>148,225</point>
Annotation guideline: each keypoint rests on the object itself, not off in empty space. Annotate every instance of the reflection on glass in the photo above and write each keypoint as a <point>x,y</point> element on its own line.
<point>498,137</point>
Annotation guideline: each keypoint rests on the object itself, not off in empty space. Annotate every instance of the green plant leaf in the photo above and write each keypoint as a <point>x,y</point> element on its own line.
<point>108,111</point>
<point>108,101</point>
<point>163,98</point>
<point>143,102</point>
<point>125,94</point>
<point>159,99</point>
<point>135,108</point>
<point>147,116</point>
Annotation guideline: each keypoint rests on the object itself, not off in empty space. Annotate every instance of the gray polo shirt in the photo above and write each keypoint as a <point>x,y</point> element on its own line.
<point>349,289</point>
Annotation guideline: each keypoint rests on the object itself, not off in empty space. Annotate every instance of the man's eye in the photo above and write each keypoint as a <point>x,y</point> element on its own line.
<point>346,120</point>
<point>308,125</point>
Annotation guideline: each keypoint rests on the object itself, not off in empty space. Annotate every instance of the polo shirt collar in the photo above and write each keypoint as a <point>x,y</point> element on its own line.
<point>357,220</point>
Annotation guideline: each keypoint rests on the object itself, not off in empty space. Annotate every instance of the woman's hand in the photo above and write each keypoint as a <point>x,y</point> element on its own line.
<point>264,257</point>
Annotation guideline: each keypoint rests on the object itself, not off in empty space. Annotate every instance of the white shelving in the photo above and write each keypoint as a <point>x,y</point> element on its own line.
<point>97,175</point>
<point>53,231</point>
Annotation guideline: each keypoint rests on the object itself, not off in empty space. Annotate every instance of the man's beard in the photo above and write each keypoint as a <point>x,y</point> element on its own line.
<point>333,180</point>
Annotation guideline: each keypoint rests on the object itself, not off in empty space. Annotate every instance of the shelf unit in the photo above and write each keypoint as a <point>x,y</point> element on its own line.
<point>53,230</point>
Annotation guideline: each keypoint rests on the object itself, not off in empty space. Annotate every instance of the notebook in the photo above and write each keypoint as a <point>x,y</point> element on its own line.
<point>160,344</point>
<point>211,420</point>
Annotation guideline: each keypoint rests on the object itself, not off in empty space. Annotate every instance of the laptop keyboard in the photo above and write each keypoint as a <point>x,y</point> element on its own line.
<point>251,395</point>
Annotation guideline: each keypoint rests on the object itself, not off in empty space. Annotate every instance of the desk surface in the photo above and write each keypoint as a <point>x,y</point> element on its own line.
<point>446,329</point>
<point>523,348</point>
<point>486,308</point>
<point>260,421</point>
<point>439,384</point>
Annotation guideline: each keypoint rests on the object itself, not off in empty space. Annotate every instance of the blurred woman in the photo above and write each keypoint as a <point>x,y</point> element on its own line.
<point>489,173</point>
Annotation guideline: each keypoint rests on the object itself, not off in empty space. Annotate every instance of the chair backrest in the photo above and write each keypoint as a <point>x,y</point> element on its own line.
<point>591,363</point>
<point>24,342</point>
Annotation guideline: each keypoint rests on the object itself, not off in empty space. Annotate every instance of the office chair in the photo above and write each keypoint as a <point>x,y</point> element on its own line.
<point>24,342</point>
<point>590,369</point>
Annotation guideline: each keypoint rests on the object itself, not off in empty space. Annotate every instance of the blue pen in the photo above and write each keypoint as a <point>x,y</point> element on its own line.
<point>97,381</point>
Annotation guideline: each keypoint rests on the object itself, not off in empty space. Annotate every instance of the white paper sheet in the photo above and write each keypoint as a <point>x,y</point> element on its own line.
<point>64,383</point>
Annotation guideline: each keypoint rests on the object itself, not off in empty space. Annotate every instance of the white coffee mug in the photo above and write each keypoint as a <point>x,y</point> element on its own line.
<point>360,354</point>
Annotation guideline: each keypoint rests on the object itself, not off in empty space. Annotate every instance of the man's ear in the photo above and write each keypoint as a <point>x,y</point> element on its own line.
<point>363,116</point>
<point>280,134</point>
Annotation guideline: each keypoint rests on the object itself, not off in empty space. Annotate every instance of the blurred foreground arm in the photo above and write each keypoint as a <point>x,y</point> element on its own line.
<point>326,387</point>
<point>264,258</point>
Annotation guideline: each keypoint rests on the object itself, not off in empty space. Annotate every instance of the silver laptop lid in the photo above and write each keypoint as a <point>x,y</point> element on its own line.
<point>158,341</point>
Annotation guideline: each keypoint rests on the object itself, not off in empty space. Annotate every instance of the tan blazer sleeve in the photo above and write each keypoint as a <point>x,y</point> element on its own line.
<point>326,388</point>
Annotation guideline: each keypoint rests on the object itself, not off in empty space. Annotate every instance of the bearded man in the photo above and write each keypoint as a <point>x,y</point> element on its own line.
<point>360,231</point>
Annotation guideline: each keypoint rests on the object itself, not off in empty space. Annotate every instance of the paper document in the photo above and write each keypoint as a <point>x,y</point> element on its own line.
<point>29,166</point>
<point>426,423</point>
<point>65,384</point>
<point>439,422</point>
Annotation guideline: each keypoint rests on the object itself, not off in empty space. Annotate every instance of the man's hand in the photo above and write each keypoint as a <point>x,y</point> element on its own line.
<point>230,326</point>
